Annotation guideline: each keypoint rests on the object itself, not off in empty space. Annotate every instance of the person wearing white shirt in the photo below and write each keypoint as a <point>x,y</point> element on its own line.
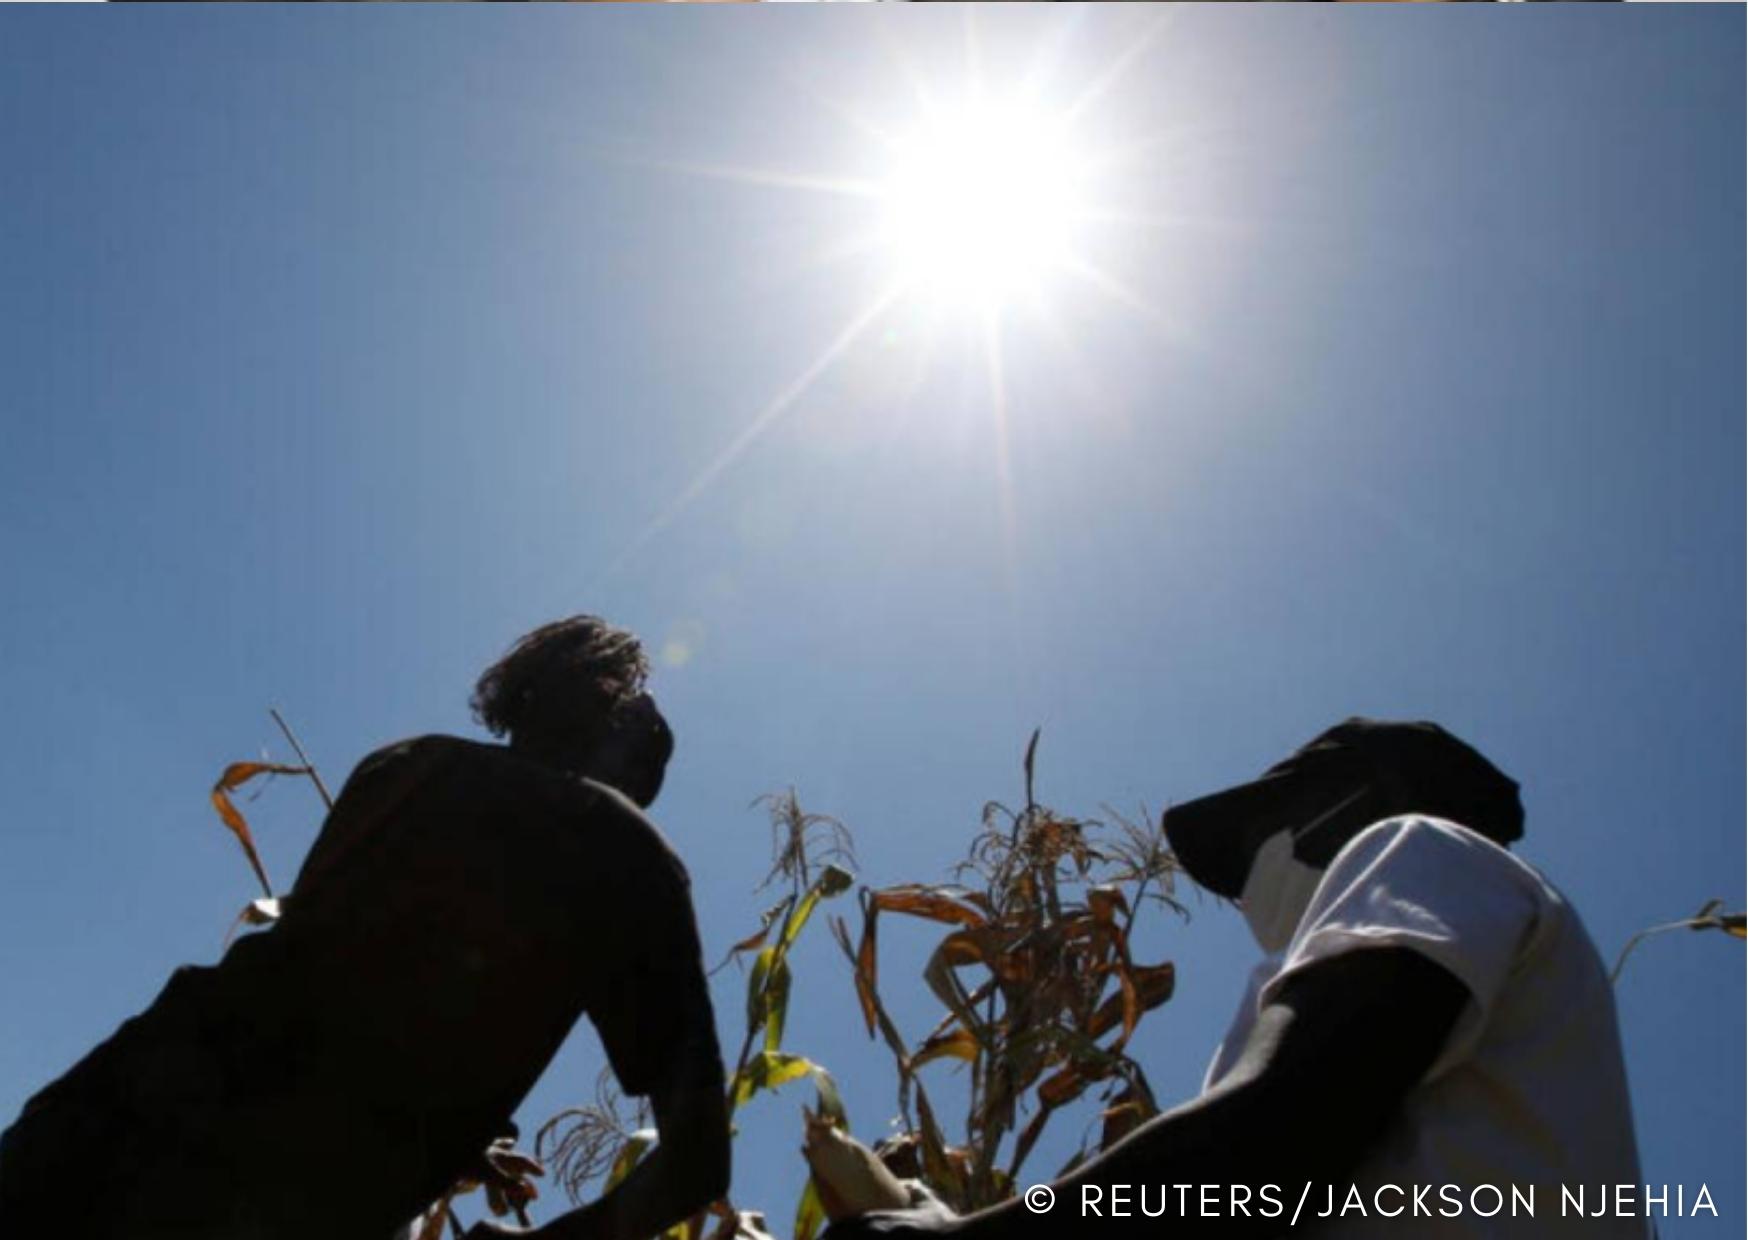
<point>1429,1047</point>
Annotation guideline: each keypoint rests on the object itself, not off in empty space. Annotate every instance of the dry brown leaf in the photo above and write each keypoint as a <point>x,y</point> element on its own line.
<point>957,1043</point>
<point>930,902</point>
<point>1106,902</point>
<point>235,776</point>
<point>1062,1086</point>
<point>1153,986</point>
<point>867,966</point>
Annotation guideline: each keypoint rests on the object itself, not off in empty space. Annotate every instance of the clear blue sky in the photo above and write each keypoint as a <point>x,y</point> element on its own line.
<point>341,346</point>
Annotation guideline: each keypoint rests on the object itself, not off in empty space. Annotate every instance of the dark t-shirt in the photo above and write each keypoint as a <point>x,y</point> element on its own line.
<point>460,909</point>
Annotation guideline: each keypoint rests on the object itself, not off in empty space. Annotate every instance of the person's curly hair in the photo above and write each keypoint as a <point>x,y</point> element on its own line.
<point>565,678</point>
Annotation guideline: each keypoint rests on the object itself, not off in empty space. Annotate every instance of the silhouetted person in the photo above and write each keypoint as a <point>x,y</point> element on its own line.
<point>463,905</point>
<point>1429,1011</point>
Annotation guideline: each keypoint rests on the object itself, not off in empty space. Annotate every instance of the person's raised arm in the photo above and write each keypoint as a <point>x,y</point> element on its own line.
<point>659,1030</point>
<point>686,1171</point>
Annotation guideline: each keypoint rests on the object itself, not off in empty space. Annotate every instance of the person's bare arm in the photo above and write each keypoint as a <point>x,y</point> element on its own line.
<point>659,1031</point>
<point>1324,1072</point>
<point>686,1171</point>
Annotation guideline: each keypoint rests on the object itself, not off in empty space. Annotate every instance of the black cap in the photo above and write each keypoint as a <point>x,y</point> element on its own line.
<point>1334,787</point>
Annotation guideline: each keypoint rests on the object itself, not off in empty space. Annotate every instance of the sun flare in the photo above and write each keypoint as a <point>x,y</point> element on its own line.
<point>980,203</point>
<point>978,217</point>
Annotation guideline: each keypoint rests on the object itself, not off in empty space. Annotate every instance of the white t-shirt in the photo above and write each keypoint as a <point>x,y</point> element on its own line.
<point>1529,1091</point>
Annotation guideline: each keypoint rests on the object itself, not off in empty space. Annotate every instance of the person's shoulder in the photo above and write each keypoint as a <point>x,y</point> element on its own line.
<point>1443,846</point>
<point>1422,833</point>
<point>478,760</point>
<point>619,813</point>
<point>414,750</point>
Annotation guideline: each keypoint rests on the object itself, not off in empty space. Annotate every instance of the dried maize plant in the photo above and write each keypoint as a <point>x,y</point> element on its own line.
<point>811,856</point>
<point>1040,991</point>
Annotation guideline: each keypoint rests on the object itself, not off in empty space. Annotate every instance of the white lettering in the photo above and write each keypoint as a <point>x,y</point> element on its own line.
<point>1498,1200</point>
<point>1090,1196</point>
<point>1377,1204</point>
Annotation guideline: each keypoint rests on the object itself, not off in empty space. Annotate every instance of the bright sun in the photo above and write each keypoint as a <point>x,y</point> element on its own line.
<point>980,203</point>
<point>986,209</point>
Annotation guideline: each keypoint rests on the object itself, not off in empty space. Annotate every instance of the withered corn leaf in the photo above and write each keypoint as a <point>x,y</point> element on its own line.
<point>944,982</point>
<point>930,902</point>
<point>867,964</point>
<point>1106,902</point>
<point>1063,1086</point>
<point>962,947</point>
<point>235,776</point>
<point>1029,1137</point>
<point>956,1043</point>
<point>939,1169</point>
<point>767,919</point>
<point>1153,986</point>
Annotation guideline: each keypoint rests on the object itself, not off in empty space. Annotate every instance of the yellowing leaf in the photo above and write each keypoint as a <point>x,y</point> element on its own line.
<point>809,1213</point>
<point>630,1154</point>
<point>768,1070</point>
<point>756,988</point>
<point>776,1004</point>
<point>956,1043</point>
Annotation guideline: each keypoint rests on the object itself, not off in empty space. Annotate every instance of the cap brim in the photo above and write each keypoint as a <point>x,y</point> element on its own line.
<point>1214,837</point>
